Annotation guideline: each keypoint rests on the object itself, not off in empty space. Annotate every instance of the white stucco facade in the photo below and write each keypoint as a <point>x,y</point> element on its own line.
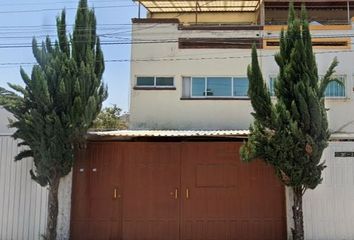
<point>166,109</point>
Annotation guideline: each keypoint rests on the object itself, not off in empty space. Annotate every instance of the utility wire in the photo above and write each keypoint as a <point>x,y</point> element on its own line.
<point>179,59</point>
<point>174,40</point>
<point>54,26</point>
<point>119,33</point>
<point>59,2</point>
<point>59,9</point>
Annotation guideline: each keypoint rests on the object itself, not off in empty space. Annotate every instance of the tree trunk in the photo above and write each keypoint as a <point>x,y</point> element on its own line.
<point>51,233</point>
<point>298,230</point>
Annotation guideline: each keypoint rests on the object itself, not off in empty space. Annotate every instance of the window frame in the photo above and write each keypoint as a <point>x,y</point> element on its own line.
<point>345,80</point>
<point>173,86</point>
<point>206,87</point>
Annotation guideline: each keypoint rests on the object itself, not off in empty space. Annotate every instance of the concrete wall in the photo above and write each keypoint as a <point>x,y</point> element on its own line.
<point>158,109</point>
<point>164,109</point>
<point>23,203</point>
<point>4,116</point>
<point>329,209</point>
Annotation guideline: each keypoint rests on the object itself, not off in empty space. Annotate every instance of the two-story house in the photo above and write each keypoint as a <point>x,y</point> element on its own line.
<point>188,72</point>
<point>190,58</point>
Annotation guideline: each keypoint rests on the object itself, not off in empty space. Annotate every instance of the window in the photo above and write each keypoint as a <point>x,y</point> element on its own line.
<point>271,86</point>
<point>164,81</point>
<point>198,87</point>
<point>154,82</point>
<point>197,43</point>
<point>145,81</point>
<point>219,87</point>
<point>240,87</point>
<point>333,90</point>
<point>316,43</point>
<point>336,89</point>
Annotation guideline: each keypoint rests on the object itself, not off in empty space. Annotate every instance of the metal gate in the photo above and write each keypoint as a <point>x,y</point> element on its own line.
<point>187,191</point>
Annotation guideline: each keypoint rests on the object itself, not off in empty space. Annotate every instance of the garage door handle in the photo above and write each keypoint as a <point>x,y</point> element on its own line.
<point>176,193</point>
<point>115,193</point>
<point>187,193</point>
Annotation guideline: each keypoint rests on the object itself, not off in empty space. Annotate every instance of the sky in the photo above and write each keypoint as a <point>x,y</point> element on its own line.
<point>21,20</point>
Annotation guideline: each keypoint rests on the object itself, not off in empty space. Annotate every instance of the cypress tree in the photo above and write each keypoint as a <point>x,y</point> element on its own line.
<point>291,133</point>
<point>58,103</point>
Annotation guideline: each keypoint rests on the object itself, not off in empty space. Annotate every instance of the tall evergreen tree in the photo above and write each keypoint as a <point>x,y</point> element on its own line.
<point>59,102</point>
<point>291,133</point>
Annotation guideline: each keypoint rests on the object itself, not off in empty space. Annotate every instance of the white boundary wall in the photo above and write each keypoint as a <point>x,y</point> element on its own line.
<point>23,203</point>
<point>329,209</point>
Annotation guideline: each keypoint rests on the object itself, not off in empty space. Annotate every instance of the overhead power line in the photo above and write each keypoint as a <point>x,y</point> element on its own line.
<point>128,41</point>
<point>27,3</point>
<point>17,64</point>
<point>59,9</point>
<point>54,25</point>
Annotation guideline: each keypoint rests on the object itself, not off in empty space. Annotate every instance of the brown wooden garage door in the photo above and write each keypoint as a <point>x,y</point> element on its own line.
<point>96,193</point>
<point>187,191</point>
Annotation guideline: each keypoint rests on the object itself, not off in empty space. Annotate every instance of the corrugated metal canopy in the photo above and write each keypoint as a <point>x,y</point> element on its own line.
<point>128,134</point>
<point>155,6</point>
<point>168,133</point>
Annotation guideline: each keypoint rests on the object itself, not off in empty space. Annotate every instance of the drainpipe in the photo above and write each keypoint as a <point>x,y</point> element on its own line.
<point>348,12</point>
<point>139,10</point>
<point>262,13</point>
<point>196,12</point>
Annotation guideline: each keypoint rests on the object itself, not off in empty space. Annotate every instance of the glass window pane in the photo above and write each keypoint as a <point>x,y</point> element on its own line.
<point>240,87</point>
<point>198,86</point>
<point>335,89</point>
<point>145,81</point>
<point>164,81</point>
<point>219,86</point>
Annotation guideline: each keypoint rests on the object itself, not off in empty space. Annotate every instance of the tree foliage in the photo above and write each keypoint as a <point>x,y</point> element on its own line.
<point>110,118</point>
<point>59,100</point>
<point>291,133</point>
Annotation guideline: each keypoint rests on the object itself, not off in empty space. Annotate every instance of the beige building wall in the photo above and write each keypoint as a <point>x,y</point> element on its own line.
<point>164,109</point>
<point>203,17</point>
